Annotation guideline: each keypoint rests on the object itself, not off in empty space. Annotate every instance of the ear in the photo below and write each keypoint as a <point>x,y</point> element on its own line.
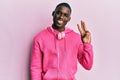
<point>53,13</point>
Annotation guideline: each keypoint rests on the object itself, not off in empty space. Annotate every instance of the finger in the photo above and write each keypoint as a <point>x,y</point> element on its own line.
<point>80,30</point>
<point>89,37</point>
<point>88,34</point>
<point>83,26</point>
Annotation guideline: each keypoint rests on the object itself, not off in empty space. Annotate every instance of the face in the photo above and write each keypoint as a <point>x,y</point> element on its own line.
<point>61,16</point>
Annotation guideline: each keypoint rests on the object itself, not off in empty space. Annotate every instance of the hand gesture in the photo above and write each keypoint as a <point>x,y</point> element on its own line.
<point>85,34</point>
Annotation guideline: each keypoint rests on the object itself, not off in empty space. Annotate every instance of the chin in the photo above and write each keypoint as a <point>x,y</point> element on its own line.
<point>59,26</point>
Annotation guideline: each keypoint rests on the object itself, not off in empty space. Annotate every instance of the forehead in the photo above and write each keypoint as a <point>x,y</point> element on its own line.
<point>63,9</point>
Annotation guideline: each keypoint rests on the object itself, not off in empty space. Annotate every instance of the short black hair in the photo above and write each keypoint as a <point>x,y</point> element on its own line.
<point>64,4</point>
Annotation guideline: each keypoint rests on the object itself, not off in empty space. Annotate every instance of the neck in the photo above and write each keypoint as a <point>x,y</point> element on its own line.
<point>60,29</point>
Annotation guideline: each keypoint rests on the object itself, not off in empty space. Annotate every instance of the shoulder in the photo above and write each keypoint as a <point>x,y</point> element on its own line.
<point>74,34</point>
<point>41,34</point>
<point>74,37</point>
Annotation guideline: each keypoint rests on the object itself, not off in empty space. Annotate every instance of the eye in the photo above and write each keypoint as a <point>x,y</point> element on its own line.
<point>66,15</point>
<point>58,12</point>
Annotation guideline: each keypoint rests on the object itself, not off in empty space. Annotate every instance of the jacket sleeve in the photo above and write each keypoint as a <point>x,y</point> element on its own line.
<point>85,55</point>
<point>36,61</point>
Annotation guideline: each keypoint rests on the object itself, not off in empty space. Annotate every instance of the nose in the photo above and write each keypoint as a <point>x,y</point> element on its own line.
<point>62,16</point>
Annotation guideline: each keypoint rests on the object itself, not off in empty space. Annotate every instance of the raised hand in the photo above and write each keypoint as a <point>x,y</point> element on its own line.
<point>85,34</point>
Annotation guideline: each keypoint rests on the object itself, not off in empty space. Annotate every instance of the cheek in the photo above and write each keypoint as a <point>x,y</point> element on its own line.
<point>56,17</point>
<point>66,20</point>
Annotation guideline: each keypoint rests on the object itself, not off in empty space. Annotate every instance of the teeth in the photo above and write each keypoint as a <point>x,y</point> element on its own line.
<point>60,22</point>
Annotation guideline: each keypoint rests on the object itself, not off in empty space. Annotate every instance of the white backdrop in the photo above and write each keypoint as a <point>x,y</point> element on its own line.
<point>21,20</point>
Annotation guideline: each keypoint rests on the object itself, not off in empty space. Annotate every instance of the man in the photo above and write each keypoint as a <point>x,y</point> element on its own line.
<point>56,49</point>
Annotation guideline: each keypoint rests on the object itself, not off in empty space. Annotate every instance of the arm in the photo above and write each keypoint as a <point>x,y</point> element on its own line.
<point>85,56</point>
<point>85,52</point>
<point>36,62</point>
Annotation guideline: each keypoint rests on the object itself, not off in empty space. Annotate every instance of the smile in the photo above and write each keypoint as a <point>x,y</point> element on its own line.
<point>59,21</point>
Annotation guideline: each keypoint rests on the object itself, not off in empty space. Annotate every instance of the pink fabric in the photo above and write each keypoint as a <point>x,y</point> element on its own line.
<point>56,59</point>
